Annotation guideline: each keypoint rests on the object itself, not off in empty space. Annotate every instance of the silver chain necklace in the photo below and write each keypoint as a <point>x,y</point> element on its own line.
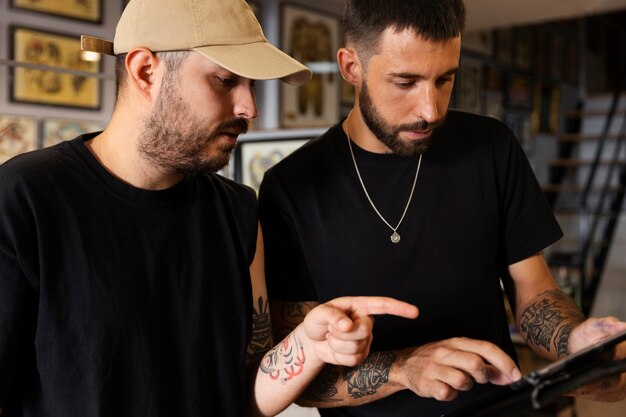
<point>395,236</point>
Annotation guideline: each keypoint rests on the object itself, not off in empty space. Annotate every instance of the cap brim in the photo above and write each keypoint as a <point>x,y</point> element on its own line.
<point>258,61</point>
<point>94,44</point>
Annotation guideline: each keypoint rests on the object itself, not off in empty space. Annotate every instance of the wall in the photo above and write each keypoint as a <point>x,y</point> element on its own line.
<point>11,16</point>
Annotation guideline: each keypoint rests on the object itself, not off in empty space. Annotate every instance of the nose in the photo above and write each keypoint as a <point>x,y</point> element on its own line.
<point>426,107</point>
<point>245,103</point>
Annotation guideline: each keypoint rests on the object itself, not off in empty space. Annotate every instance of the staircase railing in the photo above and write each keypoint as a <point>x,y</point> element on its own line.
<point>590,216</point>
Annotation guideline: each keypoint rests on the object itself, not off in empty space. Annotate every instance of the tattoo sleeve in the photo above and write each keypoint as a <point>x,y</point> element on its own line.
<point>367,378</point>
<point>335,384</point>
<point>549,321</point>
<point>261,339</point>
<point>289,316</point>
<point>324,386</point>
<point>284,361</point>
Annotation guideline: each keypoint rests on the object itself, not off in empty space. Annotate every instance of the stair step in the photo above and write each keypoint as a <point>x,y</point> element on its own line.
<point>574,212</point>
<point>577,137</point>
<point>574,162</point>
<point>574,188</point>
<point>576,114</point>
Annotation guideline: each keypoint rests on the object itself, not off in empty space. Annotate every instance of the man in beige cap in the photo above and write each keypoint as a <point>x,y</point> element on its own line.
<point>131,275</point>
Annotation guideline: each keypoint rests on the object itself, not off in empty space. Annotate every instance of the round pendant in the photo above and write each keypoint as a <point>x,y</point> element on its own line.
<point>395,237</point>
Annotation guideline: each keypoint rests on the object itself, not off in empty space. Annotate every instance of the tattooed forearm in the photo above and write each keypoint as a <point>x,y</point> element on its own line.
<point>367,378</point>
<point>548,322</point>
<point>284,361</point>
<point>261,339</point>
<point>290,315</point>
<point>324,387</point>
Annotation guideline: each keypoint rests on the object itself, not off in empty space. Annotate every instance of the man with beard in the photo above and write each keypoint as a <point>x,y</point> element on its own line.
<point>131,275</point>
<point>406,199</point>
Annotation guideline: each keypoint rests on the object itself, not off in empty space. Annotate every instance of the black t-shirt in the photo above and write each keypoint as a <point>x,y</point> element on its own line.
<point>116,301</point>
<point>477,208</point>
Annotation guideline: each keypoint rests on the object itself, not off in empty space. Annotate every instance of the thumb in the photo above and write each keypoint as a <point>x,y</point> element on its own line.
<point>322,319</point>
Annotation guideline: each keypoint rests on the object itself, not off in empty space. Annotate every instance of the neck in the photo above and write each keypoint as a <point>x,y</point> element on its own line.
<point>355,127</point>
<point>117,151</point>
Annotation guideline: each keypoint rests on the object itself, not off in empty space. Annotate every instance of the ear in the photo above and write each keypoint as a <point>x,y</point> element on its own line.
<point>350,66</point>
<point>141,66</point>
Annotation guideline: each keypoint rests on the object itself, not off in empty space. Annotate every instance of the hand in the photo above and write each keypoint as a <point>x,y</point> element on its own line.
<point>341,329</point>
<point>592,331</point>
<point>441,369</point>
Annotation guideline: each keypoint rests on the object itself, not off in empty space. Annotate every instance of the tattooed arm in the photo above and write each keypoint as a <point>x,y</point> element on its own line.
<point>437,370</point>
<point>261,339</point>
<point>545,315</point>
<point>553,325</point>
<point>337,332</point>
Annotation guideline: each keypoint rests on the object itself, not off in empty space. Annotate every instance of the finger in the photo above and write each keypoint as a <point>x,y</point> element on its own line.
<point>323,318</point>
<point>470,363</point>
<point>490,353</point>
<point>348,347</point>
<point>361,329</point>
<point>364,306</point>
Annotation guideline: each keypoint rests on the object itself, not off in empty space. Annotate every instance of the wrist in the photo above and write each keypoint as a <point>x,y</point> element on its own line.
<point>397,376</point>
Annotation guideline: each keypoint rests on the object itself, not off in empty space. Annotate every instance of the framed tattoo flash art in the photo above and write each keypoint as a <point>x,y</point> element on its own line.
<point>59,130</point>
<point>312,38</point>
<point>18,134</point>
<point>67,82</point>
<point>469,82</point>
<point>519,92</point>
<point>253,158</point>
<point>87,10</point>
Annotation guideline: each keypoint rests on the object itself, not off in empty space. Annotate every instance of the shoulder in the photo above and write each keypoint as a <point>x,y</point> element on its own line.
<point>235,196</point>
<point>474,124</point>
<point>34,167</point>
<point>464,131</point>
<point>314,156</point>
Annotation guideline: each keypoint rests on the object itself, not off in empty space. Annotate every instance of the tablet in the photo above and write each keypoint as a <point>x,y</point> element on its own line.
<point>540,387</point>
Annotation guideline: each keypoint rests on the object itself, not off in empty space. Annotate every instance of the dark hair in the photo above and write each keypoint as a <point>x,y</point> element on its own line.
<point>435,20</point>
<point>172,59</point>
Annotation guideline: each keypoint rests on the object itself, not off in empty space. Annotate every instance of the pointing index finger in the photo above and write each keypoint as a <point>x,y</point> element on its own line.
<point>357,307</point>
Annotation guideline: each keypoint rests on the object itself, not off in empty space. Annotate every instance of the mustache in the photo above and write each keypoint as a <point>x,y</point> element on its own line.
<point>237,126</point>
<point>420,125</point>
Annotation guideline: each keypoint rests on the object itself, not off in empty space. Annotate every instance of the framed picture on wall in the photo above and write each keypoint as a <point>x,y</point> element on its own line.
<point>468,85</point>
<point>68,81</point>
<point>311,37</point>
<point>59,130</point>
<point>87,10</point>
<point>253,158</point>
<point>519,92</point>
<point>18,134</point>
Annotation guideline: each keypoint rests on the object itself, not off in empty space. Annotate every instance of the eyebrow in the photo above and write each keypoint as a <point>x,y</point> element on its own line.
<point>413,76</point>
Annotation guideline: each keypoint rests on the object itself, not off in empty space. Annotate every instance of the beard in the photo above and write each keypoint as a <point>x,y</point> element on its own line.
<point>389,134</point>
<point>174,138</point>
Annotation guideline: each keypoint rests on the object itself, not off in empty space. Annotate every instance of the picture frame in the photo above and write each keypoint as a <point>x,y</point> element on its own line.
<point>504,46</point>
<point>521,125</point>
<point>68,81</point>
<point>468,85</point>
<point>59,130</point>
<point>88,11</point>
<point>254,157</point>
<point>546,103</point>
<point>311,37</point>
<point>18,134</point>
<point>519,92</point>
<point>524,38</point>
<point>557,56</point>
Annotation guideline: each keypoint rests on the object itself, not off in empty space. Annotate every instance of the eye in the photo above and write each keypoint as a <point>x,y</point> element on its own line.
<point>404,84</point>
<point>444,80</point>
<point>225,81</point>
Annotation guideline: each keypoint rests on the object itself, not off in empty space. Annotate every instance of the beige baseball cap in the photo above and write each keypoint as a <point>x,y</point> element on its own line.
<point>225,31</point>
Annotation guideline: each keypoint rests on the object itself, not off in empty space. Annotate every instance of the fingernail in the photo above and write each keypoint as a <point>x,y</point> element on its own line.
<point>516,374</point>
